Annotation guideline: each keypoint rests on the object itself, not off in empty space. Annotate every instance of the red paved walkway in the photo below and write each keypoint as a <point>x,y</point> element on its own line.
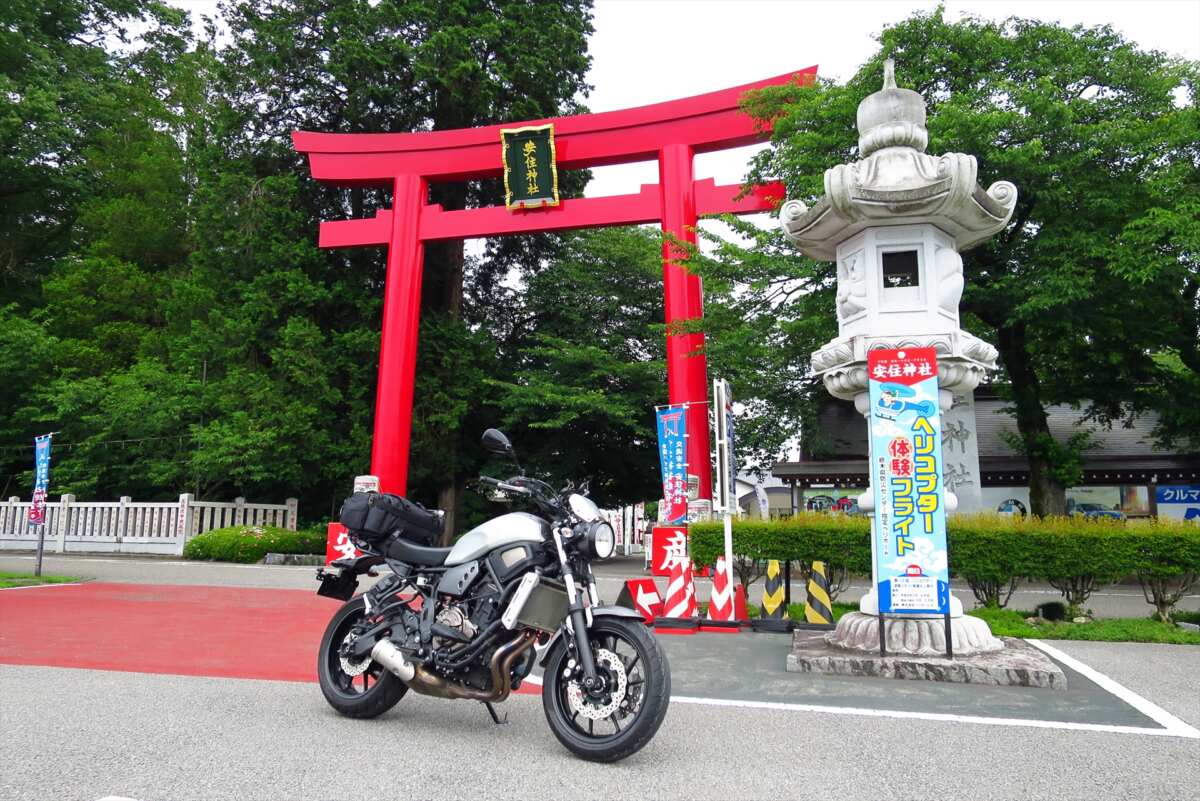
<point>148,628</point>
<point>239,632</point>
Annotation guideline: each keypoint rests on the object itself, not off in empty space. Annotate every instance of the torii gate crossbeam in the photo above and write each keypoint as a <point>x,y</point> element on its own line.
<point>670,133</point>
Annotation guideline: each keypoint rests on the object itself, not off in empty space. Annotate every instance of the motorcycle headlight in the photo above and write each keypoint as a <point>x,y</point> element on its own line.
<point>600,539</point>
<point>583,507</point>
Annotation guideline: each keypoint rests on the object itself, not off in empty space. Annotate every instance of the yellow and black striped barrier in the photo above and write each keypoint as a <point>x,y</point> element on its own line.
<point>818,608</point>
<point>773,607</point>
<point>774,616</point>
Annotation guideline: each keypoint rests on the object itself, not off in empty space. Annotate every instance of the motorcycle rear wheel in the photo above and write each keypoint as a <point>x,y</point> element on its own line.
<point>367,695</point>
<point>639,709</point>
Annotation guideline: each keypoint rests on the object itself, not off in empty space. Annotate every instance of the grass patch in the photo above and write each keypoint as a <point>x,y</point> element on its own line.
<point>29,580</point>
<point>1011,623</point>
<point>251,543</point>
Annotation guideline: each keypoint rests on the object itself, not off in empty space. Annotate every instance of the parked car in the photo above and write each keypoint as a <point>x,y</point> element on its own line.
<point>1095,510</point>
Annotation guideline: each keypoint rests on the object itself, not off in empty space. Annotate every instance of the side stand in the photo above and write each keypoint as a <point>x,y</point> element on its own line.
<point>492,711</point>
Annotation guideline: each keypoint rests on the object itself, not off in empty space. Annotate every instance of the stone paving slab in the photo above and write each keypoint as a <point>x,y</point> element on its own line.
<point>750,667</point>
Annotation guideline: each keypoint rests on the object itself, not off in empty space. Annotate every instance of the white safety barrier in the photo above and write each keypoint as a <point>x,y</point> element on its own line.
<point>128,526</point>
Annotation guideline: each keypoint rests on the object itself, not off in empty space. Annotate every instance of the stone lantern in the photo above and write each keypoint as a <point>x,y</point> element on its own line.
<point>895,222</point>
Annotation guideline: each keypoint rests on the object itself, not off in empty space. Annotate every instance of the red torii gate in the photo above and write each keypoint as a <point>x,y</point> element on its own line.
<point>671,133</point>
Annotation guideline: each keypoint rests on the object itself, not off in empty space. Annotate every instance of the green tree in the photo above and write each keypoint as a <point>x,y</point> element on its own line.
<point>405,65</point>
<point>1088,126</point>
<point>582,346</point>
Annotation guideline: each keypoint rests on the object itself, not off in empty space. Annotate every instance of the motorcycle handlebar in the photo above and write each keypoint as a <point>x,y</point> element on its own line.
<point>495,482</point>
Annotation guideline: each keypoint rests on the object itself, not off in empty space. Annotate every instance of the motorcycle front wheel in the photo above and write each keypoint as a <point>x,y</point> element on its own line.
<point>363,690</point>
<point>619,718</point>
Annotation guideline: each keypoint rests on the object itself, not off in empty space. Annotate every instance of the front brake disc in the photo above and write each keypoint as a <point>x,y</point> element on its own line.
<point>577,698</point>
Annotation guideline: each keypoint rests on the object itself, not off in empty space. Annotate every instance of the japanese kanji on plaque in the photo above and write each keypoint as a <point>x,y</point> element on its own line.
<point>530,174</point>
<point>906,459</point>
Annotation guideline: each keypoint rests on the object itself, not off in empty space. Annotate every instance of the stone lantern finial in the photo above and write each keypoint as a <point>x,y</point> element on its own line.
<point>891,117</point>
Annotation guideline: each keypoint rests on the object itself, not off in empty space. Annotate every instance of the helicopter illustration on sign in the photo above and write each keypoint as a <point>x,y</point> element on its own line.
<point>892,402</point>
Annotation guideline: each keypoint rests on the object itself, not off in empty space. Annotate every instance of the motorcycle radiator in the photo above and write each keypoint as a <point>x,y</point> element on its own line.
<point>538,603</point>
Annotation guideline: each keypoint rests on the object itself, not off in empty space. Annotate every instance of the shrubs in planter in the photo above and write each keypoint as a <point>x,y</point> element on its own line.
<point>252,543</point>
<point>993,552</point>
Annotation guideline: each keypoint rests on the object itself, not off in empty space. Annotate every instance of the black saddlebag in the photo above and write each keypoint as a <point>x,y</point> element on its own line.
<point>375,516</point>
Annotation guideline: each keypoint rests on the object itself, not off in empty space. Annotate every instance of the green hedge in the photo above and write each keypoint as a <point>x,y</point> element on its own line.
<point>990,551</point>
<point>252,543</point>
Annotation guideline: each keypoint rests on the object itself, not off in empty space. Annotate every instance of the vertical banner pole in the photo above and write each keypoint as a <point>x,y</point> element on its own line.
<point>787,584</point>
<point>41,484</point>
<point>949,639</point>
<point>37,568</point>
<point>726,491</point>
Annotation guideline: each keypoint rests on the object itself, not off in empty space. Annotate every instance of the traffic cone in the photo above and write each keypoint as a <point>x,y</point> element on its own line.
<point>740,613</point>
<point>772,601</point>
<point>720,602</point>
<point>774,611</point>
<point>679,609</point>
<point>722,607</point>
<point>818,608</point>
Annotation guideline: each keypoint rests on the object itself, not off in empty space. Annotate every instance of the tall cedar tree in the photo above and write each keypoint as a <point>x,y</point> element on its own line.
<point>410,65</point>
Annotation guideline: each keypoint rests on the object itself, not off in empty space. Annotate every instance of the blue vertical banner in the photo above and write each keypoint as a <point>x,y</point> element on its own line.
<point>911,566</point>
<point>672,453</point>
<point>41,479</point>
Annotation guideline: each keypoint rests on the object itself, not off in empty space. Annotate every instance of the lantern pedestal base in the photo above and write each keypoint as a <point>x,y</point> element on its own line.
<point>1015,664</point>
<point>908,636</point>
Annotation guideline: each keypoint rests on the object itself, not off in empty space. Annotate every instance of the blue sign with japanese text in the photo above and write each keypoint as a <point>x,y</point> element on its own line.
<point>672,453</point>
<point>911,566</point>
<point>1178,501</point>
<point>41,479</point>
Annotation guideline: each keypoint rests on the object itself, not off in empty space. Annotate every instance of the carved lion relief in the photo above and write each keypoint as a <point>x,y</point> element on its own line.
<point>852,287</point>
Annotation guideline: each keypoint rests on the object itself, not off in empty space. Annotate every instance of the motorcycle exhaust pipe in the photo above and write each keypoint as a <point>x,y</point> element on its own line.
<point>388,655</point>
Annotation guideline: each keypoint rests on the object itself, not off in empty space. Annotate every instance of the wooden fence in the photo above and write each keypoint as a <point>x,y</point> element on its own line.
<point>126,526</point>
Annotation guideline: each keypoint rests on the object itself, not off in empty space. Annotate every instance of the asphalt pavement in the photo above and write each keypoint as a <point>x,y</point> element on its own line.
<point>738,726</point>
<point>78,734</point>
<point>1120,600</point>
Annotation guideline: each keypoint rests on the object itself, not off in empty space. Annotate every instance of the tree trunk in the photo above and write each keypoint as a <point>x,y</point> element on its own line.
<point>442,287</point>
<point>448,502</point>
<point>442,293</point>
<point>1046,495</point>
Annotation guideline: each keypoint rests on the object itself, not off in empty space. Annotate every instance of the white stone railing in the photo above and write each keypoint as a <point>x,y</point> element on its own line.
<point>126,526</point>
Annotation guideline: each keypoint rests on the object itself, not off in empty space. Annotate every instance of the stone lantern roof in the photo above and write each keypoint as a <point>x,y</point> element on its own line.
<point>897,183</point>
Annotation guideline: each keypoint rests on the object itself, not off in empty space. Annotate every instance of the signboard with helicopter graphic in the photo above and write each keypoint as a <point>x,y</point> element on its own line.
<point>911,566</point>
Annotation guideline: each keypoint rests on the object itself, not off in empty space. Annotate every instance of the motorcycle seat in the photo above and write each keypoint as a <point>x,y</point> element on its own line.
<point>401,549</point>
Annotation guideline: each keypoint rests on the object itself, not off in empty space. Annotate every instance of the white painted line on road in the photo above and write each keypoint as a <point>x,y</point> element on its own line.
<point>1146,707</point>
<point>936,716</point>
<point>1173,726</point>
<point>44,586</point>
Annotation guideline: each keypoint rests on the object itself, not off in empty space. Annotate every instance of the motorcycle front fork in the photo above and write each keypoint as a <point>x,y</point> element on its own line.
<point>579,616</point>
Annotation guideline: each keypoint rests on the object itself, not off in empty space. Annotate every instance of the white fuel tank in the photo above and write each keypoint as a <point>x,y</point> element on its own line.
<point>503,530</point>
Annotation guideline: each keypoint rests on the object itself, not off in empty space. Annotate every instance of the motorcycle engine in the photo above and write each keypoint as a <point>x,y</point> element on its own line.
<point>454,615</point>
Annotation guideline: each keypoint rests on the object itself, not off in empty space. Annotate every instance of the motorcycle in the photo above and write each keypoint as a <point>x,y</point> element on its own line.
<point>470,621</point>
